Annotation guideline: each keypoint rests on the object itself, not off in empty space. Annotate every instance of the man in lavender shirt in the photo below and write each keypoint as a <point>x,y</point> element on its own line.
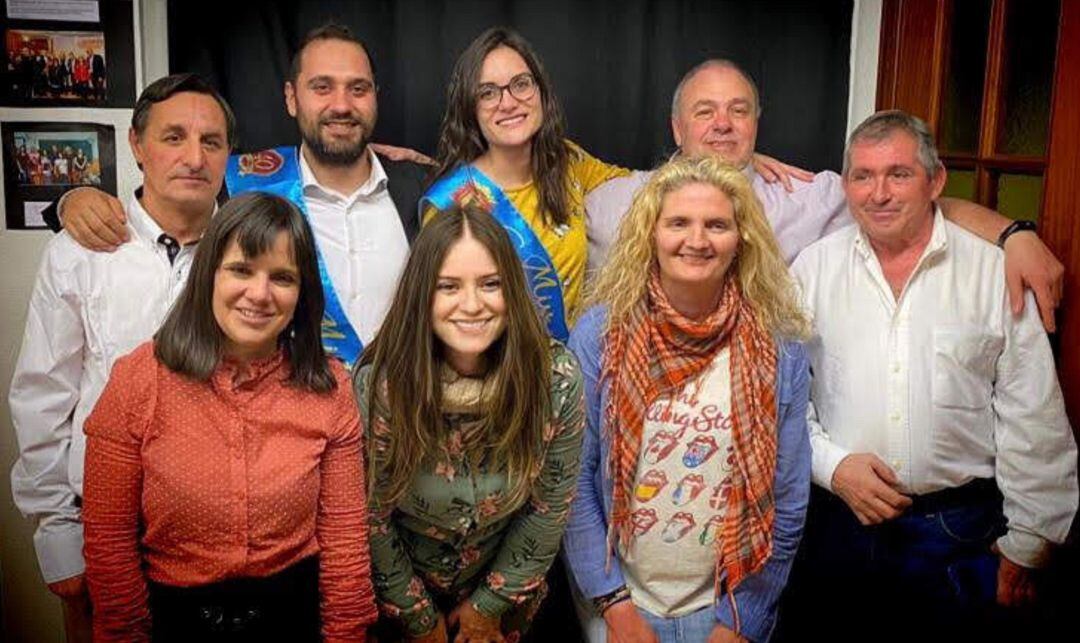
<point>715,110</point>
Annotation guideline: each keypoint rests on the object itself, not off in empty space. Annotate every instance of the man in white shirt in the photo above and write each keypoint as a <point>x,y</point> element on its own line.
<point>716,109</point>
<point>88,309</point>
<point>937,422</point>
<point>361,207</point>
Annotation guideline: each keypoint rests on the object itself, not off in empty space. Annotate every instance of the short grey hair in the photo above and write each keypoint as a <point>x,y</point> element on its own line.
<point>884,124</point>
<point>721,63</point>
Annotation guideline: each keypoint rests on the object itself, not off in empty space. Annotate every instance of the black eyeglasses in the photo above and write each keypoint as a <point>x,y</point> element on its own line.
<point>521,87</point>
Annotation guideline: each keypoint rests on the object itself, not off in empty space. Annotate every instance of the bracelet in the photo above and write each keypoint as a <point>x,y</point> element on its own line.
<point>602,603</point>
<point>1014,227</point>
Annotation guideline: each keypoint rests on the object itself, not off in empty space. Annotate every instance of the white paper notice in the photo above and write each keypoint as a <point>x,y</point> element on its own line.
<point>65,10</point>
<point>32,214</point>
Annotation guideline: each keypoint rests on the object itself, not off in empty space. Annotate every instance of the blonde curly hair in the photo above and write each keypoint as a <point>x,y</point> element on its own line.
<point>762,274</point>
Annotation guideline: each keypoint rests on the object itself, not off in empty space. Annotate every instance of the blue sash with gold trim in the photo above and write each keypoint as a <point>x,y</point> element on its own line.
<point>277,171</point>
<point>467,182</point>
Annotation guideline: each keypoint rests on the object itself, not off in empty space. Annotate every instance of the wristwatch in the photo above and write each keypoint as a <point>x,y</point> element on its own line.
<point>1014,227</point>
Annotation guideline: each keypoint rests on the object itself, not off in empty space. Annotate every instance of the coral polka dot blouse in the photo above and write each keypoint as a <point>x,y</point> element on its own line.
<point>192,483</point>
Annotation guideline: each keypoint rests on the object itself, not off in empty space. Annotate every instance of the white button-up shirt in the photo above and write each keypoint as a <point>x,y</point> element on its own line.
<point>943,384</point>
<point>363,244</point>
<point>87,309</point>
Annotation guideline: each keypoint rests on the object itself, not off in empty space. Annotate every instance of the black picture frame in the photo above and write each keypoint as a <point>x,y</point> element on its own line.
<point>21,189</point>
<point>116,27</point>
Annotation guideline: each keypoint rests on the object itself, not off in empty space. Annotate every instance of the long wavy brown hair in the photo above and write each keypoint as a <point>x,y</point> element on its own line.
<point>403,385</point>
<point>460,138</point>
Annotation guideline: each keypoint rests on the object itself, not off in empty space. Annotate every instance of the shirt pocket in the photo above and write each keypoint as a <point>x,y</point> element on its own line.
<point>963,367</point>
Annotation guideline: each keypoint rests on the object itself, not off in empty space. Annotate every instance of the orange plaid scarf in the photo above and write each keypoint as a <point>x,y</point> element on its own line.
<point>654,353</point>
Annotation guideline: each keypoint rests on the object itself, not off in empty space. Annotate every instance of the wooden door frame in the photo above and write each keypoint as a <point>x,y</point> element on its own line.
<point>911,71</point>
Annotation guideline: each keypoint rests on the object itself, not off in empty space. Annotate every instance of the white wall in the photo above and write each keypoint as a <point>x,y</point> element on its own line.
<point>30,613</point>
<point>865,36</point>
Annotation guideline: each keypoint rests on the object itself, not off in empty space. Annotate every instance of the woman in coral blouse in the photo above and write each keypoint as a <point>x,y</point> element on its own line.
<point>223,495</point>
<point>474,418</point>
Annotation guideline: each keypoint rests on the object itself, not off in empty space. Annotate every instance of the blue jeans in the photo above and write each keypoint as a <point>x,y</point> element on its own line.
<point>926,574</point>
<point>692,628</point>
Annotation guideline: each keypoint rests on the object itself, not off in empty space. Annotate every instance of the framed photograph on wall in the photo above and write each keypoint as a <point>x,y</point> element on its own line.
<point>66,61</point>
<point>44,160</point>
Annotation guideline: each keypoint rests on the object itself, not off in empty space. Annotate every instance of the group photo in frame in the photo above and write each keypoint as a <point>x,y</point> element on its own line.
<point>78,58</point>
<point>44,160</point>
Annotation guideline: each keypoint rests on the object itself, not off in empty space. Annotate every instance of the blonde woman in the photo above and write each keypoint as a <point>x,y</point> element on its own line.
<point>696,464</point>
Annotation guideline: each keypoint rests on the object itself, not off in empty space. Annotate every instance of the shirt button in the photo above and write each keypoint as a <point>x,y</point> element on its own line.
<point>895,368</point>
<point>897,464</point>
<point>895,417</point>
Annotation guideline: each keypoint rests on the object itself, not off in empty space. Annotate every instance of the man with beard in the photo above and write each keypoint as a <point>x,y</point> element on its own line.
<point>362,207</point>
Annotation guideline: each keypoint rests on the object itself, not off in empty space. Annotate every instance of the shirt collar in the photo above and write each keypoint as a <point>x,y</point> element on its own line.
<point>938,239</point>
<point>140,220</point>
<point>375,183</point>
<point>144,225</point>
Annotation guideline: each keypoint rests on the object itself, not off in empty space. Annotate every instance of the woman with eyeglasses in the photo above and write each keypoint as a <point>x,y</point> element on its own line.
<point>503,146</point>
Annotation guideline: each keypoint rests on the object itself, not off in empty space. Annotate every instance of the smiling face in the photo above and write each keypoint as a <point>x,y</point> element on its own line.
<point>511,122</point>
<point>183,151</point>
<point>717,114</point>
<point>255,298</point>
<point>468,310</point>
<point>696,240</point>
<point>333,100</point>
<point>889,192</point>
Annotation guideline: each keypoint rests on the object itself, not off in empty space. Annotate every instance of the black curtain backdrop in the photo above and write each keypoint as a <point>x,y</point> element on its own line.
<point>614,64</point>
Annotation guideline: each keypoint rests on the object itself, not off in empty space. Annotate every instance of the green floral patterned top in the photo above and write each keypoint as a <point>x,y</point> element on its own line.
<point>454,535</point>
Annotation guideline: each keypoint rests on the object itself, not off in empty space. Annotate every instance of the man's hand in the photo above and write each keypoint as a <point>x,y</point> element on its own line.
<point>395,153</point>
<point>626,625</point>
<point>721,634</point>
<point>773,170</point>
<point>94,219</point>
<point>1015,584</point>
<point>867,485</point>
<point>474,627</point>
<point>436,635</point>
<point>1029,263</point>
<point>70,588</point>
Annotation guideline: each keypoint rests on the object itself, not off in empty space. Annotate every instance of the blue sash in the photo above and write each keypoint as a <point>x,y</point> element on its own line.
<point>544,282</point>
<point>277,171</point>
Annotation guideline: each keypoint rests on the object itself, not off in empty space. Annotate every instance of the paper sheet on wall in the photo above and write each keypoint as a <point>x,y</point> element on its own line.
<point>65,10</point>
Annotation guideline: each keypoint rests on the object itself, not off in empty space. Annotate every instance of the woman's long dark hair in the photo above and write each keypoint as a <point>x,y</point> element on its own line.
<point>404,385</point>
<point>460,138</point>
<point>191,342</point>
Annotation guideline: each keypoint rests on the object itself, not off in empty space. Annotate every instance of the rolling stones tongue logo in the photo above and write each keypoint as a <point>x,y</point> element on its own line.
<point>262,163</point>
<point>650,485</point>
<point>677,527</point>
<point>708,534</point>
<point>660,445</point>
<point>643,520</point>
<point>689,488</point>
<point>699,450</point>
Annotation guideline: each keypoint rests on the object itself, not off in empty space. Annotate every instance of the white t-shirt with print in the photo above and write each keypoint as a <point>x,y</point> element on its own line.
<point>684,470</point>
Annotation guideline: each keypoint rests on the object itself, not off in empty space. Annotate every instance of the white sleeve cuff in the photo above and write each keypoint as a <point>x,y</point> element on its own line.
<point>1024,549</point>
<point>60,552</point>
<point>826,457</point>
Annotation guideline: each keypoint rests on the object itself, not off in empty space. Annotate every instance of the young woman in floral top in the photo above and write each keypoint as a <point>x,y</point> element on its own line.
<point>475,421</point>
